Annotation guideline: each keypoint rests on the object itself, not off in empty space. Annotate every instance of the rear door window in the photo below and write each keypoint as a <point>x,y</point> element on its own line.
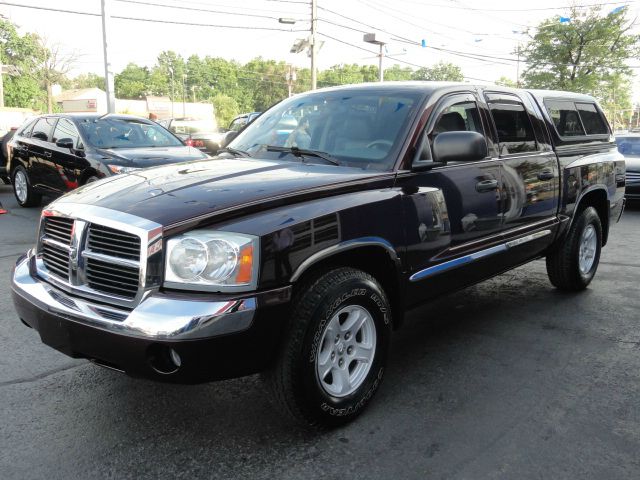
<point>25,130</point>
<point>513,126</point>
<point>592,119</point>
<point>43,128</point>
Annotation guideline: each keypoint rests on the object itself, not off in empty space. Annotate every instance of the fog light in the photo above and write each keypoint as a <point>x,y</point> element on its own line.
<point>163,359</point>
<point>175,358</point>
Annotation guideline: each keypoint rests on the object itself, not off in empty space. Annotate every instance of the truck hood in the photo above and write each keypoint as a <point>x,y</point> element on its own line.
<point>151,157</point>
<point>188,193</point>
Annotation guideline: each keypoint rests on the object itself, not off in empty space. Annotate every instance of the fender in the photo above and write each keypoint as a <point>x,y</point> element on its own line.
<point>344,246</point>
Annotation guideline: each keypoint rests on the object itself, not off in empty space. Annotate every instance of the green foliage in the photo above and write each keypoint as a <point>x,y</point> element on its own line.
<point>441,72</point>
<point>86,80</point>
<point>582,54</point>
<point>25,53</point>
<point>133,82</point>
<point>506,82</point>
<point>226,109</point>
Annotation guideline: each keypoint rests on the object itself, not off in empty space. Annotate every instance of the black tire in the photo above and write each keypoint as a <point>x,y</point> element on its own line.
<point>563,264</point>
<point>28,197</point>
<point>91,179</point>
<point>293,379</point>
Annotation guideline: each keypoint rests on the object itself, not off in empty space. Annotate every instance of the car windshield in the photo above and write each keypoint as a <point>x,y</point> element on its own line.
<point>110,132</point>
<point>357,128</point>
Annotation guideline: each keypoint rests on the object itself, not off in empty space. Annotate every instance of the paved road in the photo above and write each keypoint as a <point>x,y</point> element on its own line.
<point>508,379</point>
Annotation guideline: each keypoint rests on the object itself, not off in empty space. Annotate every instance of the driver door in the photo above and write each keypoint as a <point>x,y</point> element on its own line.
<point>452,212</point>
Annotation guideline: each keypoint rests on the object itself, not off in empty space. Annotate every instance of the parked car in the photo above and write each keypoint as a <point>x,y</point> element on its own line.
<point>53,154</point>
<point>243,120</point>
<point>201,134</point>
<point>629,146</point>
<point>300,262</point>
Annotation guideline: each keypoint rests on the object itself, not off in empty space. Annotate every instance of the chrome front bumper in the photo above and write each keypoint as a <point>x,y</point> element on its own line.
<point>157,317</point>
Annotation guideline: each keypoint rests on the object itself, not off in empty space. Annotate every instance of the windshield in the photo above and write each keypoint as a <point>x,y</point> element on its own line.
<point>112,132</point>
<point>357,128</point>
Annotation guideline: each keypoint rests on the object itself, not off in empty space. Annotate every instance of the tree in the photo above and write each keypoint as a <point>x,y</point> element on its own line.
<point>580,54</point>
<point>506,82</point>
<point>133,82</point>
<point>23,52</point>
<point>226,108</point>
<point>441,71</point>
<point>54,66</point>
<point>87,80</point>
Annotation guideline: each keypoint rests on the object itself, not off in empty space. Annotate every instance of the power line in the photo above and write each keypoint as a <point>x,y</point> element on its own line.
<point>461,7</point>
<point>150,20</point>
<point>181,7</point>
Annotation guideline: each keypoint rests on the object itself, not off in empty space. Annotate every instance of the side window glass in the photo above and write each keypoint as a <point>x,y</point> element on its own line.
<point>66,129</point>
<point>237,124</point>
<point>513,125</point>
<point>25,130</point>
<point>565,118</point>
<point>43,128</point>
<point>592,120</point>
<point>463,116</point>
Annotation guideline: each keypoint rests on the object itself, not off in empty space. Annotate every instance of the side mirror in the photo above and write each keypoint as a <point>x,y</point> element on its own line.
<point>228,137</point>
<point>65,143</point>
<point>459,147</point>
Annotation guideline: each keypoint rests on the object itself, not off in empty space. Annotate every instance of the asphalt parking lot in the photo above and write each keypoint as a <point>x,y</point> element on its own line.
<point>507,379</point>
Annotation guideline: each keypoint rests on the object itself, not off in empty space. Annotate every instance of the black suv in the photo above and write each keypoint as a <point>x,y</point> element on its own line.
<point>53,154</point>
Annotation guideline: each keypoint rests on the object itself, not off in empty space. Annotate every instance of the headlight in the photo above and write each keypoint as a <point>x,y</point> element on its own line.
<point>212,260</point>
<point>120,169</point>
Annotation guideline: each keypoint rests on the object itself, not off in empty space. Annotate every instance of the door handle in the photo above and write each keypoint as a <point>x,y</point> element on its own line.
<point>487,185</point>
<point>47,154</point>
<point>546,175</point>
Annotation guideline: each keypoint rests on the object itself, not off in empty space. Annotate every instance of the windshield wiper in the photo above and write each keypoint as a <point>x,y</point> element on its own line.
<point>234,151</point>
<point>300,152</point>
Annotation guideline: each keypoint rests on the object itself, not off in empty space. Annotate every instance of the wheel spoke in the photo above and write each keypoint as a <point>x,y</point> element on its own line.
<point>354,321</point>
<point>341,381</point>
<point>363,353</point>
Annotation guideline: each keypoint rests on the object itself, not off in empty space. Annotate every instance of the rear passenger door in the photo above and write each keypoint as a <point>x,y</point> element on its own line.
<point>530,176</point>
<point>67,161</point>
<point>43,172</point>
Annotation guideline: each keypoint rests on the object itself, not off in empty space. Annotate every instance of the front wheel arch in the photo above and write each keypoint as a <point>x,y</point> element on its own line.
<point>377,259</point>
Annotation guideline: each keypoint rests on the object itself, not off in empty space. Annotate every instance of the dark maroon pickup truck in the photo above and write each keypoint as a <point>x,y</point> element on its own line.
<point>296,251</point>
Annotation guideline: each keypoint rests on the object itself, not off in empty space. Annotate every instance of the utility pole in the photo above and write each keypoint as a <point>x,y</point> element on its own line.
<point>314,27</point>
<point>108,71</point>
<point>518,68</point>
<point>184,102</point>
<point>1,84</point>
<point>290,76</point>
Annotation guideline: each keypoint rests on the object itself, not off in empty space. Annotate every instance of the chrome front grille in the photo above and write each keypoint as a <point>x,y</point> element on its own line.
<point>105,255</point>
<point>112,278</point>
<point>112,242</point>
<point>633,177</point>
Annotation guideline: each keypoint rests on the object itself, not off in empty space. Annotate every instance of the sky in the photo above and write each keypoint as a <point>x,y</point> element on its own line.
<point>452,30</point>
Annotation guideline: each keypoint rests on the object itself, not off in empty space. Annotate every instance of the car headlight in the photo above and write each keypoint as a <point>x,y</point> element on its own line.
<point>120,169</point>
<point>211,260</point>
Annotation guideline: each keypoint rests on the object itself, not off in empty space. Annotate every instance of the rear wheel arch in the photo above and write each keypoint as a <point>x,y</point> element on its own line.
<point>378,259</point>
<point>597,198</point>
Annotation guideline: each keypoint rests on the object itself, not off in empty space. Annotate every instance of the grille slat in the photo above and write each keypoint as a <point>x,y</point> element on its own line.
<point>59,228</point>
<point>56,260</point>
<point>109,241</point>
<point>106,278</point>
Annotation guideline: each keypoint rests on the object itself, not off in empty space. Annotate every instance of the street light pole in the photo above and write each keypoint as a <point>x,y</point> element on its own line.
<point>314,26</point>
<point>108,71</point>
<point>375,39</point>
